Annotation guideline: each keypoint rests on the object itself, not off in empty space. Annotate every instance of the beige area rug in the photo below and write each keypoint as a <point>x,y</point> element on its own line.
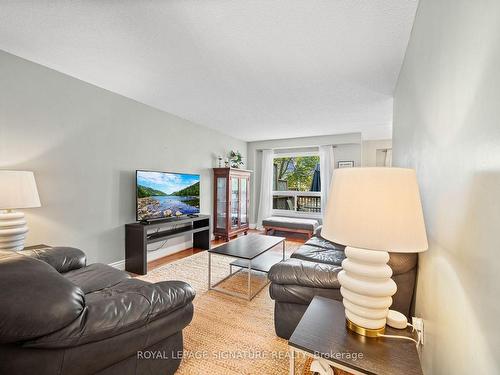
<point>228,335</point>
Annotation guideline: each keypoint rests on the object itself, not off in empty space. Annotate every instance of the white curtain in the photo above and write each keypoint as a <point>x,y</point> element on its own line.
<point>388,158</point>
<point>266,187</point>
<point>326,165</point>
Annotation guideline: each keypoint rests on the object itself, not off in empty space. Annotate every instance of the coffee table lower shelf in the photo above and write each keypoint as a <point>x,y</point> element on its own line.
<point>260,263</point>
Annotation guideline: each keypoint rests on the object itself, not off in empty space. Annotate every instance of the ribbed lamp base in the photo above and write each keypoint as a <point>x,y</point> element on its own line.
<point>366,288</point>
<point>13,230</point>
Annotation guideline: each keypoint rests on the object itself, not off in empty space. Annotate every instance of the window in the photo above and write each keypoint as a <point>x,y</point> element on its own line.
<point>296,184</point>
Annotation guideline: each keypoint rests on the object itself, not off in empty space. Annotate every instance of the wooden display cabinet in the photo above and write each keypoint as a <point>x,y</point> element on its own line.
<point>231,202</point>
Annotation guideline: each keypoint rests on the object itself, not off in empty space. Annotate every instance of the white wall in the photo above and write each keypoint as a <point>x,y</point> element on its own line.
<point>84,145</point>
<point>348,147</point>
<point>372,148</point>
<point>447,126</point>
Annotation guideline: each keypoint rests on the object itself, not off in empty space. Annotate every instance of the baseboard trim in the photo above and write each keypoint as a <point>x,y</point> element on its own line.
<point>169,250</point>
<point>118,264</point>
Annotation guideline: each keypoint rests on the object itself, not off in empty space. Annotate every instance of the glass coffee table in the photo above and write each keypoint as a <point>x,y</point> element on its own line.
<point>251,252</point>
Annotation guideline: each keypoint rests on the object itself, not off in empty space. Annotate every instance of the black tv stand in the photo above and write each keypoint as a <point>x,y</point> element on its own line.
<point>171,219</point>
<point>137,237</point>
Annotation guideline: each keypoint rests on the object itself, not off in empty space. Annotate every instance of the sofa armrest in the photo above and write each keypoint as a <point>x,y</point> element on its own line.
<point>128,305</point>
<point>63,259</point>
<point>310,274</point>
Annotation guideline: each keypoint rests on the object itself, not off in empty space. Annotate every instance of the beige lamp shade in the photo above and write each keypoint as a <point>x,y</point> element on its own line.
<point>18,190</point>
<point>376,209</point>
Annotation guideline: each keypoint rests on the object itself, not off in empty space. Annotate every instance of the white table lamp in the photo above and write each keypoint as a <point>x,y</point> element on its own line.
<point>17,190</point>
<point>372,211</point>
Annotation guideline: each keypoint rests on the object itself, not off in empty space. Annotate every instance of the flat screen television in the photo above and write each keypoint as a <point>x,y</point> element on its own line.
<point>160,195</point>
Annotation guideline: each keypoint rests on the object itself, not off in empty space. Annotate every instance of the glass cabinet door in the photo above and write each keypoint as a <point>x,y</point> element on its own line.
<point>235,202</point>
<point>243,201</point>
<point>221,203</point>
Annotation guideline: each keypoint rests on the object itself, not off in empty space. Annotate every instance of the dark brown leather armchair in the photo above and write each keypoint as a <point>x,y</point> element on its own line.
<point>59,316</point>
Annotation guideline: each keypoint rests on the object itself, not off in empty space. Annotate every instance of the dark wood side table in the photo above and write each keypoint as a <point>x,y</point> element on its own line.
<point>322,333</point>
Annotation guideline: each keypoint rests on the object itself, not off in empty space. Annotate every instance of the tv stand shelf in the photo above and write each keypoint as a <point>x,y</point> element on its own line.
<point>139,235</point>
<point>166,234</point>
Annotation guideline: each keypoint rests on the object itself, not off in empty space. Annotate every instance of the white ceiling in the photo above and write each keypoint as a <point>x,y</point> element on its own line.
<point>255,69</point>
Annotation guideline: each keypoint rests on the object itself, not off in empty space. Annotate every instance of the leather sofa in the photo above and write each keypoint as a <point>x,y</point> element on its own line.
<point>312,271</point>
<point>60,316</point>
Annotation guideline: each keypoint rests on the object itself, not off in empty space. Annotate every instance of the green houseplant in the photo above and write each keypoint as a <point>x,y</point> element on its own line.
<point>236,159</point>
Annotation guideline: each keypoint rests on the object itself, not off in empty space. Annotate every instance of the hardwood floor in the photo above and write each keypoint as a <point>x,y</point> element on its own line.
<point>191,251</point>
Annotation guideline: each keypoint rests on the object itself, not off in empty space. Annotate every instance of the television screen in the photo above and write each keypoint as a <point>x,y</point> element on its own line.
<point>161,194</point>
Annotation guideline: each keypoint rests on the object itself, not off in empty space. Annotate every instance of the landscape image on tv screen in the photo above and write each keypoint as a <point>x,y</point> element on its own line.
<point>161,195</point>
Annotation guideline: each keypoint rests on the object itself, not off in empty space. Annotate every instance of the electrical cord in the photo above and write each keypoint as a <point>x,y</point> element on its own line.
<point>164,242</point>
<point>417,342</point>
<point>419,334</point>
<point>398,337</point>
<point>159,247</point>
<point>175,226</point>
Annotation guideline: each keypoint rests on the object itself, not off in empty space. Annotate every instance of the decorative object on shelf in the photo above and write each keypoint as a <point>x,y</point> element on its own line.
<point>178,213</point>
<point>345,164</point>
<point>168,213</point>
<point>226,162</point>
<point>219,161</point>
<point>387,203</point>
<point>236,159</point>
<point>17,190</point>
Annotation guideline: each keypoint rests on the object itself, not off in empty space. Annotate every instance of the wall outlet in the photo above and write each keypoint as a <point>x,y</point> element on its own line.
<point>418,325</point>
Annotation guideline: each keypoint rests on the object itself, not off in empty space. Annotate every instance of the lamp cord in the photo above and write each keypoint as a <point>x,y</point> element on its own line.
<point>417,342</point>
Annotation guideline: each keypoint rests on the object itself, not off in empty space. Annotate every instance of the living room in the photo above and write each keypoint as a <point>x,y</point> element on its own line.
<point>249,187</point>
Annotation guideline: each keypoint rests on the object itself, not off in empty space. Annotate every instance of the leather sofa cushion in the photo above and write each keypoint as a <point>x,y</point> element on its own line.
<point>95,277</point>
<point>319,255</point>
<point>35,299</point>
<point>324,244</point>
<point>129,343</point>
<point>100,356</point>
<point>63,259</point>
<point>317,249</point>
<point>301,294</point>
<point>402,262</point>
<point>310,274</point>
<point>130,304</point>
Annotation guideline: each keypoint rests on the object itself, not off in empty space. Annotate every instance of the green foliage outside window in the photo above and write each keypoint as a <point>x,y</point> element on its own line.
<point>294,173</point>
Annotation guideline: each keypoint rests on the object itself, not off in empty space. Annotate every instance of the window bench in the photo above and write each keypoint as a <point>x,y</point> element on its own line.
<point>290,224</point>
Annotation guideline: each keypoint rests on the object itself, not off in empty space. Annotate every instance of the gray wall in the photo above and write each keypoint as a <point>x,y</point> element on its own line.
<point>84,145</point>
<point>373,148</point>
<point>348,147</point>
<point>447,126</point>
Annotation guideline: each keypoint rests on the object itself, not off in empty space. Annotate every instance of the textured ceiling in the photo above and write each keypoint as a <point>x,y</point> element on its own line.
<point>254,69</point>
